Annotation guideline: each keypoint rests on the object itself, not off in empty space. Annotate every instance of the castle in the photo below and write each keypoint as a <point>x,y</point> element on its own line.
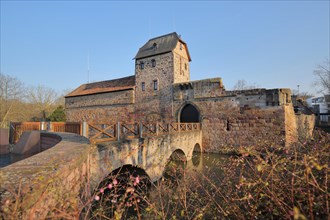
<point>161,91</point>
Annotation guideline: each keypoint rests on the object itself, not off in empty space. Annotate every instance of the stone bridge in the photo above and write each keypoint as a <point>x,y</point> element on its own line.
<point>64,176</point>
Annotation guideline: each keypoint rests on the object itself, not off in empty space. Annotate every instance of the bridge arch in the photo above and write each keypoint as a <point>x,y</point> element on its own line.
<point>174,168</point>
<point>189,113</point>
<point>124,185</point>
<point>196,155</point>
<point>178,155</point>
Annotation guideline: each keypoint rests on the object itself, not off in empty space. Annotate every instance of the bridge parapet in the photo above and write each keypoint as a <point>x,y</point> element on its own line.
<point>48,181</point>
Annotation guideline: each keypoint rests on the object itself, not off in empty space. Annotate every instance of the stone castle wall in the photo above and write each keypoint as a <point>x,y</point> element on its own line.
<point>104,107</point>
<point>101,114</point>
<point>237,118</point>
<point>181,64</point>
<point>101,99</point>
<point>152,104</point>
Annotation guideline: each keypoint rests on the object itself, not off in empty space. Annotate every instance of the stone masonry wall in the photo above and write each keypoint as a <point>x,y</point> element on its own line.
<point>181,64</point>
<point>101,114</point>
<point>224,124</point>
<point>237,118</point>
<point>102,99</point>
<point>47,184</point>
<point>154,105</point>
<point>104,107</point>
<point>305,124</point>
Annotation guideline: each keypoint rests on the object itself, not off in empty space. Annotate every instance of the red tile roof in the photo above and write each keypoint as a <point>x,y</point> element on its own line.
<point>121,84</point>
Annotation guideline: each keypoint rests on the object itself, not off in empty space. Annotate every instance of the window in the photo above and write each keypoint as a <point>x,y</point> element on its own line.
<point>142,65</point>
<point>153,62</point>
<point>154,46</point>
<point>180,46</point>
<point>143,86</point>
<point>155,85</point>
<point>185,66</point>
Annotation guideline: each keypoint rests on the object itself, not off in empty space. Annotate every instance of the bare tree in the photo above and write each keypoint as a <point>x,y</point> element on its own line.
<point>43,99</point>
<point>11,95</point>
<point>323,76</point>
<point>243,85</point>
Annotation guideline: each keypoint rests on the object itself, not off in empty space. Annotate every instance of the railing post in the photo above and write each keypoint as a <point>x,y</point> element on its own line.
<point>118,131</point>
<point>11,133</point>
<point>84,129</point>
<point>157,129</point>
<point>42,126</point>
<point>140,129</point>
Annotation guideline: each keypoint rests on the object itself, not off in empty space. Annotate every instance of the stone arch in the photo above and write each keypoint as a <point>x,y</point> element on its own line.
<point>178,155</point>
<point>197,148</point>
<point>127,170</point>
<point>196,155</point>
<point>117,187</point>
<point>189,112</point>
<point>175,166</point>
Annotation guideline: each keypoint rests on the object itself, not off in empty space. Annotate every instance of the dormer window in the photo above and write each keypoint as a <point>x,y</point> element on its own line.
<point>142,65</point>
<point>153,62</point>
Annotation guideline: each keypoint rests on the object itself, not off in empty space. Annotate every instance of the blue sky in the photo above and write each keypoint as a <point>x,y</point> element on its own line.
<point>273,44</point>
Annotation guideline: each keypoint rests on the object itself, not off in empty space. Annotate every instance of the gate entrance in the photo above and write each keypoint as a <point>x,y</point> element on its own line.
<point>189,114</point>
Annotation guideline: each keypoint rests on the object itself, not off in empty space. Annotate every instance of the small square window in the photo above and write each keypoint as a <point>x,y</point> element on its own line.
<point>153,62</point>
<point>143,86</point>
<point>155,85</point>
<point>142,65</point>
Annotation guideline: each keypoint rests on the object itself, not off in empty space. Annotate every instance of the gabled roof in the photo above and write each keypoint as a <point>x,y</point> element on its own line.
<point>160,45</point>
<point>121,84</point>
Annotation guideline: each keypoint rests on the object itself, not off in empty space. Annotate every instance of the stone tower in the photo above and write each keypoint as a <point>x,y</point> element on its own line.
<point>159,63</point>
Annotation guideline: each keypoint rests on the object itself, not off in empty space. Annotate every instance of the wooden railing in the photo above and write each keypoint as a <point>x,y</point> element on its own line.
<point>109,132</point>
<point>17,128</point>
<point>97,132</point>
<point>70,127</point>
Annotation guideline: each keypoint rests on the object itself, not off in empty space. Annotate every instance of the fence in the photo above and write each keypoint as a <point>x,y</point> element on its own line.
<point>97,132</point>
<point>323,119</point>
<point>109,132</point>
<point>17,128</point>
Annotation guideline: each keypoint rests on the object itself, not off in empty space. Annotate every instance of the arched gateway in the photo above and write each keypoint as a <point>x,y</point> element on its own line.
<point>189,114</point>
